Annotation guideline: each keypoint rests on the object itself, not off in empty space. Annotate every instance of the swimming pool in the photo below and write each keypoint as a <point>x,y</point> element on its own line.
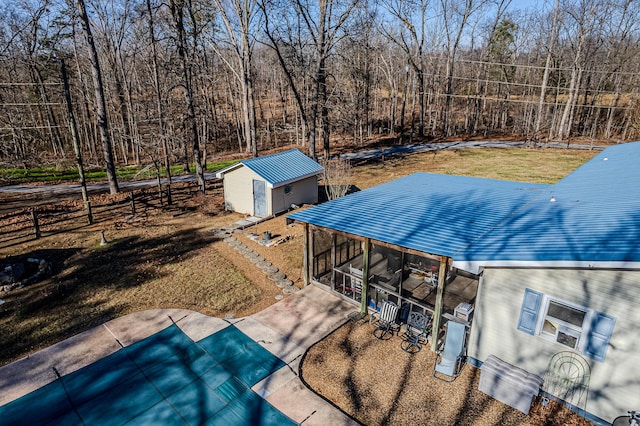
<point>165,379</point>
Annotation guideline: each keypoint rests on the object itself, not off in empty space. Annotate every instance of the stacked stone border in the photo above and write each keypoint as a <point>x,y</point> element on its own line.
<point>267,268</point>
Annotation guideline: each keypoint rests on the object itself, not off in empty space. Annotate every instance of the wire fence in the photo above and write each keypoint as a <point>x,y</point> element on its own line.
<point>38,221</point>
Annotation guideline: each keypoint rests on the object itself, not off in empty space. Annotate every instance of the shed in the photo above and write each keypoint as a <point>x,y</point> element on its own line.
<point>554,268</point>
<point>265,186</point>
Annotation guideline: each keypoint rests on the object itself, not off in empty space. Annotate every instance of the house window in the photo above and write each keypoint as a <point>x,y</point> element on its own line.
<point>564,323</point>
<point>582,329</point>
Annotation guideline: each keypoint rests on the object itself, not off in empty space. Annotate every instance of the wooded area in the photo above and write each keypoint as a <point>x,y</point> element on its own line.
<point>157,83</point>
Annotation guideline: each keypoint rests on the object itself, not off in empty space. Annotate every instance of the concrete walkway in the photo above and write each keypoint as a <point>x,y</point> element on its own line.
<point>287,329</point>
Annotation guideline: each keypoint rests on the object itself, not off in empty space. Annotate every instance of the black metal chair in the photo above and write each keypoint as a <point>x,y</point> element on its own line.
<point>416,332</point>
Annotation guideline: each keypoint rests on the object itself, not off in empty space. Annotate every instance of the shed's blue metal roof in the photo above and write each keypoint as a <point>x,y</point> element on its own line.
<point>594,220</point>
<point>439,214</point>
<point>281,168</point>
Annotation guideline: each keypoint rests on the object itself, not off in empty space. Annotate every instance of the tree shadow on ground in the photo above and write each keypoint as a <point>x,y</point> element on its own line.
<point>86,288</point>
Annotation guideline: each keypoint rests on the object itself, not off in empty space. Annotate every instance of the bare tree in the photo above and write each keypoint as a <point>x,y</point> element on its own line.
<point>281,39</point>
<point>545,76</point>
<point>322,22</point>
<point>239,21</point>
<point>412,39</point>
<point>113,29</point>
<point>178,74</point>
<point>455,16</point>
<point>101,107</point>
<point>583,21</point>
<point>158,97</point>
<point>495,38</point>
<point>337,177</point>
<point>177,13</point>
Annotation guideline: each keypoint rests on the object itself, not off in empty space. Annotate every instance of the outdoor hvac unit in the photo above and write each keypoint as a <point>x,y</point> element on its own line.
<point>463,311</point>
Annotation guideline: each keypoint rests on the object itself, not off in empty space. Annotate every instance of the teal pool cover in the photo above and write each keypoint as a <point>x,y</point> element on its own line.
<point>165,379</point>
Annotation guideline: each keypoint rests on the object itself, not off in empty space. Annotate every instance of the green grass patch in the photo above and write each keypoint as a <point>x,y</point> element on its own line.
<point>125,173</point>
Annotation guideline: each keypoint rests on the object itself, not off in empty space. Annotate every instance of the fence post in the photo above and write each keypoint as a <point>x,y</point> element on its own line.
<point>133,204</point>
<point>89,213</point>
<point>36,227</point>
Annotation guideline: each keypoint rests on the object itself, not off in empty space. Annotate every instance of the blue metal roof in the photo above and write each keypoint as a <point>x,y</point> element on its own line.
<point>281,168</point>
<point>590,217</point>
<point>439,214</point>
<point>593,220</point>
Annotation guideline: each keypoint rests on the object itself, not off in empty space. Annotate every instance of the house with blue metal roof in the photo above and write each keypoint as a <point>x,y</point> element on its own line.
<point>536,272</point>
<point>265,186</point>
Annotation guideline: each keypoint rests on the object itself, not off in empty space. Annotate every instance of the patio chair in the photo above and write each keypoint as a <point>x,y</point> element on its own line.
<point>356,280</point>
<point>448,363</point>
<point>416,332</point>
<point>384,320</point>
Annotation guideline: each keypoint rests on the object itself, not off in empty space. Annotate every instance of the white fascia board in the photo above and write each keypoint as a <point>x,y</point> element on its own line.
<point>220,173</point>
<point>476,266</point>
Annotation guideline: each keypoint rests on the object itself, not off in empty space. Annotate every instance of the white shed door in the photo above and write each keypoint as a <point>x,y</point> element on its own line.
<point>259,198</point>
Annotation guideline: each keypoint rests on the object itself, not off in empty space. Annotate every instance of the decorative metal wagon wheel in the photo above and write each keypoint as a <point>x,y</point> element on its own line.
<point>567,378</point>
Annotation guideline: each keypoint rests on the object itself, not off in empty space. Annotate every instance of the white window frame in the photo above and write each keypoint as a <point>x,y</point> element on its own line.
<point>581,332</point>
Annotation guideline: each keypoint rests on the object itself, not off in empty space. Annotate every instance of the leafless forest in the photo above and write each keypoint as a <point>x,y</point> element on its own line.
<point>168,82</point>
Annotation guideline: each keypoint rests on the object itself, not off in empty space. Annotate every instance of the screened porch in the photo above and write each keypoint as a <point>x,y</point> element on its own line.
<point>408,278</point>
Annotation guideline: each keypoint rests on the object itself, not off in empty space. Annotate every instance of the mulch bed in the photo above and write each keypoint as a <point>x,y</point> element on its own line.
<point>377,383</point>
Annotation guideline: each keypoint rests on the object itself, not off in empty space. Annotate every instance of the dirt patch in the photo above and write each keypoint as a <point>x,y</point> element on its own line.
<point>377,383</point>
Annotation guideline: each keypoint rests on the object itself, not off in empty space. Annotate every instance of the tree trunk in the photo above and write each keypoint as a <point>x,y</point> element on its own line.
<point>75,140</point>
<point>177,12</point>
<point>101,108</point>
<point>159,105</point>
<point>453,50</point>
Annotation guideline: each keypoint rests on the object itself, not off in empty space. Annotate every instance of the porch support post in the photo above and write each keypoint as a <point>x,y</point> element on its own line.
<point>334,240</point>
<point>307,261</point>
<point>437,313</point>
<point>365,276</point>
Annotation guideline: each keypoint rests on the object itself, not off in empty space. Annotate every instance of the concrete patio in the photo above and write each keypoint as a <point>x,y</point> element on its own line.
<point>286,329</point>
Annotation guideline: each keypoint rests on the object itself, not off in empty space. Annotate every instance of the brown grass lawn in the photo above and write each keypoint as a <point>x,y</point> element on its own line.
<point>154,261</point>
<point>525,165</point>
<point>163,259</point>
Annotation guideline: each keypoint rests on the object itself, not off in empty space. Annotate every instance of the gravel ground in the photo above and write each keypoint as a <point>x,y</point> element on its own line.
<point>377,383</point>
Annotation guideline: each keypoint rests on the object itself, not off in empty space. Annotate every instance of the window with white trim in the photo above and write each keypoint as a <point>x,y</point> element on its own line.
<point>564,323</point>
<point>580,328</point>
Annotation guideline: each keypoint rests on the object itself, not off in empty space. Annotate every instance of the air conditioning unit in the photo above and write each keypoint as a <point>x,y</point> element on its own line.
<point>463,311</point>
<point>568,337</point>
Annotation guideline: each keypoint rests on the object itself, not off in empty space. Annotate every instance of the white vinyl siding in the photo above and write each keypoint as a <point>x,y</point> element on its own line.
<point>238,190</point>
<point>614,292</point>
<point>304,191</point>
